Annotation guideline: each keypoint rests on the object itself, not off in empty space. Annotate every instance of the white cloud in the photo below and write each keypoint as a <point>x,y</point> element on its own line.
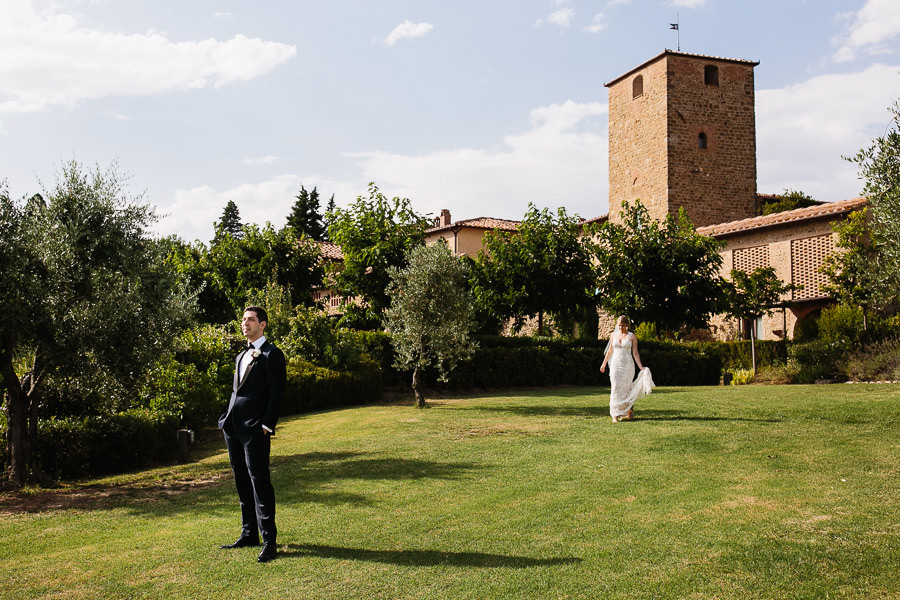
<point>561,161</point>
<point>617,2</point>
<point>689,3</point>
<point>407,30</point>
<point>262,160</point>
<point>597,24</point>
<point>222,15</point>
<point>876,23</point>
<point>562,18</point>
<point>192,212</point>
<point>53,59</point>
<point>804,129</point>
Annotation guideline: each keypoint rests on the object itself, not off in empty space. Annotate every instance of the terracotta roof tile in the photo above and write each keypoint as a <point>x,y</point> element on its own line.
<point>480,223</point>
<point>782,218</point>
<point>330,251</point>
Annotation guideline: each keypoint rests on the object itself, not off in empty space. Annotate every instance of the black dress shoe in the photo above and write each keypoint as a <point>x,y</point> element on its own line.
<point>268,552</point>
<point>242,542</point>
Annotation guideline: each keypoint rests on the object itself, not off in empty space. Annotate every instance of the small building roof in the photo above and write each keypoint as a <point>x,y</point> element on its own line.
<point>330,251</point>
<point>668,52</point>
<point>479,223</point>
<point>787,217</point>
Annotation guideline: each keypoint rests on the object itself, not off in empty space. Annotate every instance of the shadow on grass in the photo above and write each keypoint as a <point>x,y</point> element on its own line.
<point>603,412</point>
<point>424,558</point>
<point>675,415</point>
<point>297,478</point>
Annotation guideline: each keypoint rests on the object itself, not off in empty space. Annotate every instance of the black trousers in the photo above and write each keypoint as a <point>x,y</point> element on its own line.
<point>250,465</point>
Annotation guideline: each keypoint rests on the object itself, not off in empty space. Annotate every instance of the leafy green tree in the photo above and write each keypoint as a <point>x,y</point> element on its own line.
<point>226,272</point>
<point>663,273</point>
<point>879,167</point>
<point>789,200</point>
<point>431,313</point>
<point>751,295</point>
<point>92,297</point>
<point>230,223</point>
<point>855,271</point>
<point>542,269</point>
<point>374,234</point>
<point>305,217</point>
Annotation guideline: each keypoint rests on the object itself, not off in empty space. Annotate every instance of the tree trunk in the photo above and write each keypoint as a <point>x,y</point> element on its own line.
<point>753,344</point>
<point>540,323</point>
<point>17,411</point>
<point>865,320</point>
<point>417,387</point>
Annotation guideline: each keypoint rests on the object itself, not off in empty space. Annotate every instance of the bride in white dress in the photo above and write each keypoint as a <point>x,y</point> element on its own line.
<point>621,354</point>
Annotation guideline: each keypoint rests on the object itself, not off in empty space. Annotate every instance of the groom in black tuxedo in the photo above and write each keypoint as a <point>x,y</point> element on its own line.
<point>248,425</point>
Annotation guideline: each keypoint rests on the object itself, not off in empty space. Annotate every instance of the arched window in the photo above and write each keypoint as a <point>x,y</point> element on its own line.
<point>701,141</point>
<point>711,75</point>
<point>637,86</point>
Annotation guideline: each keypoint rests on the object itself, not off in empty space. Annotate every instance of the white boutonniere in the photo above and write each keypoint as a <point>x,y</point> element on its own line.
<point>255,353</point>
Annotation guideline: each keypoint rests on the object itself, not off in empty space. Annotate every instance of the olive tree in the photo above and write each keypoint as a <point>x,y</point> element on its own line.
<point>88,294</point>
<point>431,313</point>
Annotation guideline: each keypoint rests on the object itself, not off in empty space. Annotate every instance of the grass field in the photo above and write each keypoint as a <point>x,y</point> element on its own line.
<point>761,492</point>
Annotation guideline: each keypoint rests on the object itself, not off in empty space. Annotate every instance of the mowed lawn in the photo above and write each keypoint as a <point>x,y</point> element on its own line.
<point>741,492</point>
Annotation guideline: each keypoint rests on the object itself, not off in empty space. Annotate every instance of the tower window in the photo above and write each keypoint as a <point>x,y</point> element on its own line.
<point>711,75</point>
<point>637,86</point>
<point>701,141</point>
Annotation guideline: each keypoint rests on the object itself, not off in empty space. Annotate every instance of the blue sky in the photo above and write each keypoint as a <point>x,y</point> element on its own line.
<point>476,106</point>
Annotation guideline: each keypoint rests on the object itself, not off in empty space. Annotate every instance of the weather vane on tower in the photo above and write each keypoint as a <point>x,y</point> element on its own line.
<point>677,31</point>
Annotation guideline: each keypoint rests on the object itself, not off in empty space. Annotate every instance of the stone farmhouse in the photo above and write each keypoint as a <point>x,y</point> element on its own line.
<point>682,134</point>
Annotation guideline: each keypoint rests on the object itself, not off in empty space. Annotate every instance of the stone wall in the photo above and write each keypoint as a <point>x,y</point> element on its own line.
<point>657,114</point>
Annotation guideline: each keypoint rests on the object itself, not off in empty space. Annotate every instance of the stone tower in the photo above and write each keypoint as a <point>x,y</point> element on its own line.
<point>682,133</point>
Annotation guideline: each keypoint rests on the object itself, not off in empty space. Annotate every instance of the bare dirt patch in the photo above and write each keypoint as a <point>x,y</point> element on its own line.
<point>94,497</point>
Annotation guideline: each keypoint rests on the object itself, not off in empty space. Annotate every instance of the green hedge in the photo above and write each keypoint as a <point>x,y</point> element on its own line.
<point>316,388</point>
<point>73,447</point>
<point>529,362</point>
<point>737,355</point>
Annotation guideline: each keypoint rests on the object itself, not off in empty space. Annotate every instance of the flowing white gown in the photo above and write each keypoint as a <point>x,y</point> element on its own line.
<point>625,389</point>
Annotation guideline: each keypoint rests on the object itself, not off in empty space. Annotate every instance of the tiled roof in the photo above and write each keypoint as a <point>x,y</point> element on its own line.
<point>330,251</point>
<point>599,219</point>
<point>783,218</point>
<point>480,223</point>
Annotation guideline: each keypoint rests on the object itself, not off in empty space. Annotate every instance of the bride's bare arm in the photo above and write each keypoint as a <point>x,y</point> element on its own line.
<point>634,351</point>
<point>606,358</point>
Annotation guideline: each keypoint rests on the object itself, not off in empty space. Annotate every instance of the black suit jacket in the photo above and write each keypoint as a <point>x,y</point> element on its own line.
<point>256,398</point>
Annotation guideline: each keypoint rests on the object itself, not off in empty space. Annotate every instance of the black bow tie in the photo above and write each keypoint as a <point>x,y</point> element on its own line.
<point>249,345</point>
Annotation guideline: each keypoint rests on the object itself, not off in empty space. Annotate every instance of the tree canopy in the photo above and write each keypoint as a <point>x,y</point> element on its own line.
<point>374,234</point>
<point>751,295</point>
<point>431,313</point>
<point>879,167</point>
<point>305,217</point>
<point>226,272</point>
<point>855,271</point>
<point>93,295</point>
<point>542,269</point>
<point>661,273</point>
<point>230,223</point>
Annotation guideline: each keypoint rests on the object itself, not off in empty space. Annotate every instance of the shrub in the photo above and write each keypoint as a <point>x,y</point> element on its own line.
<point>310,387</point>
<point>196,380</point>
<point>819,359</point>
<point>71,447</point>
<point>879,361</point>
<point>840,322</point>
<point>737,354</point>
<point>741,376</point>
